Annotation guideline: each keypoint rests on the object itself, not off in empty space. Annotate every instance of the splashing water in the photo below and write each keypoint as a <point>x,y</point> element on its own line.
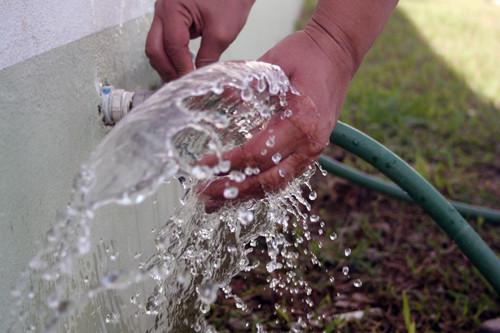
<point>210,111</point>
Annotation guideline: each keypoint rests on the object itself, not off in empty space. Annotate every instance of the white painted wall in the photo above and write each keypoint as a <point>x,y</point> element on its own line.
<point>53,56</point>
<point>31,28</point>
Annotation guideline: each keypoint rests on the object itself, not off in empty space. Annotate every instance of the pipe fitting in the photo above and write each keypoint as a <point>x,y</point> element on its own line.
<point>117,103</point>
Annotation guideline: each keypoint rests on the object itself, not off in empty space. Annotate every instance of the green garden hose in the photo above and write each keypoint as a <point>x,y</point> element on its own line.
<point>425,195</point>
<point>373,183</point>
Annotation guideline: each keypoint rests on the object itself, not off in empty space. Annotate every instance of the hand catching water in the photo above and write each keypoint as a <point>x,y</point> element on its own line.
<point>320,62</point>
<point>299,132</point>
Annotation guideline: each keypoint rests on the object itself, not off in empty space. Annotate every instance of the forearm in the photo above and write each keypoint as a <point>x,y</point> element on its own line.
<point>352,25</point>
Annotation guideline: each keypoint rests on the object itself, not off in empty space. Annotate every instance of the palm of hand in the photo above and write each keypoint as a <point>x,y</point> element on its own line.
<point>298,139</point>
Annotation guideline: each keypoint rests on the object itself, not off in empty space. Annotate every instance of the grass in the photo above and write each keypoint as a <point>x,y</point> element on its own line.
<point>429,90</point>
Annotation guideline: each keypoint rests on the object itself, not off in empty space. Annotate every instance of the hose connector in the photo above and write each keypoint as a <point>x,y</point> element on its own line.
<point>117,103</point>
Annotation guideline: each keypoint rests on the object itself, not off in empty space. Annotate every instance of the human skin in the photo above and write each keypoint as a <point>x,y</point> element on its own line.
<point>320,62</point>
<point>175,22</point>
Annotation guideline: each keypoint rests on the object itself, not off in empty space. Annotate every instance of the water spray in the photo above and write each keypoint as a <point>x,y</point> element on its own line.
<point>117,103</point>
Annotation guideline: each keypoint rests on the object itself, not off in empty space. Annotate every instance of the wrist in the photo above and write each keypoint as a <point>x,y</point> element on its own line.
<point>350,27</point>
<point>337,49</point>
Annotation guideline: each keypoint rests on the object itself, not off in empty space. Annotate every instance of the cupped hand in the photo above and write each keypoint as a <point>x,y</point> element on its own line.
<point>321,71</point>
<point>175,22</point>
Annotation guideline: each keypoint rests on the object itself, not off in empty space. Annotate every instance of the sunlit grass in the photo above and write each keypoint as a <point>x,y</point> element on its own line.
<point>466,34</point>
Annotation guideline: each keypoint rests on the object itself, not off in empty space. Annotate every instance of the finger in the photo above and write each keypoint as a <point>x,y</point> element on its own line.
<point>286,132</point>
<point>212,45</point>
<point>269,181</point>
<point>265,149</point>
<point>176,43</point>
<point>155,51</point>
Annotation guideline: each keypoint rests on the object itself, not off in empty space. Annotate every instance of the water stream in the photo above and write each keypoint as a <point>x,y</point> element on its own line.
<point>210,111</point>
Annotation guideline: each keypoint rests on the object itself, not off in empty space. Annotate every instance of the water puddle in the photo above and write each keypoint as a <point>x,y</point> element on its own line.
<point>197,254</point>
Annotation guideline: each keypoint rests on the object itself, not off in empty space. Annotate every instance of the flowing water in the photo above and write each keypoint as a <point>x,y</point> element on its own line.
<point>210,111</point>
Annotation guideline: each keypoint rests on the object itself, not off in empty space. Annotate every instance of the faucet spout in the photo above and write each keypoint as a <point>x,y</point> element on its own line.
<point>117,103</point>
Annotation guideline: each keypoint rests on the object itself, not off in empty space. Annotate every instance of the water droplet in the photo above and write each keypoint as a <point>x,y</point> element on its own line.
<point>112,318</point>
<point>271,141</point>
<point>237,176</point>
<point>247,94</point>
<point>207,291</point>
<point>276,158</point>
<point>204,308</point>
<point>239,303</point>
<point>245,217</point>
<point>345,270</point>
<point>224,166</point>
<point>347,252</point>
<point>37,263</point>
<point>355,142</point>
<point>261,85</point>
<point>314,218</point>
<point>263,152</point>
<point>357,283</point>
<point>248,171</point>
<point>227,289</point>
<point>313,195</point>
<point>288,113</point>
<point>230,193</point>
<point>282,173</point>
<point>333,236</point>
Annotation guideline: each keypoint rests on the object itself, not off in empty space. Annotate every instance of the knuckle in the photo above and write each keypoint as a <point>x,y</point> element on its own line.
<point>151,52</point>
<point>221,36</point>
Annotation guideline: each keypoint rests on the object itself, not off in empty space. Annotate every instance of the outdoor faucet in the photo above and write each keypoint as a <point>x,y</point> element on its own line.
<point>116,103</point>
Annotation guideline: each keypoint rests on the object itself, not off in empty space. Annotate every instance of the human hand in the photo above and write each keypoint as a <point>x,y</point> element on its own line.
<point>175,22</point>
<point>321,71</point>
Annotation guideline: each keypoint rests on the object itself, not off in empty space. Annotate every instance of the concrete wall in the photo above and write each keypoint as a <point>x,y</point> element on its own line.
<point>53,57</point>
